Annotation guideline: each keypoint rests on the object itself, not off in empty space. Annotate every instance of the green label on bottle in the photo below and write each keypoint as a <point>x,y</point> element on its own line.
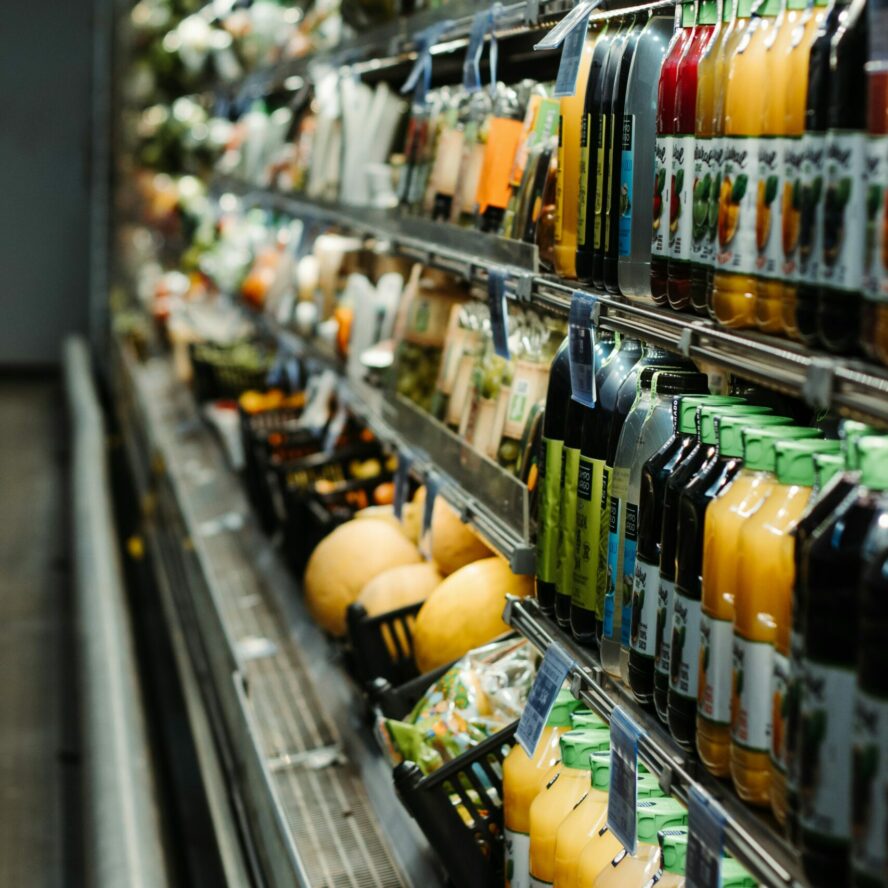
<point>599,180</point>
<point>583,194</point>
<point>550,510</point>
<point>568,523</point>
<point>587,532</point>
<point>603,530</point>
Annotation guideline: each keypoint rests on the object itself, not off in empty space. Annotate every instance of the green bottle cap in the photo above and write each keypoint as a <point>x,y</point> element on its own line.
<point>873,462</point>
<point>708,13</point>
<point>577,745</point>
<point>794,460</point>
<point>652,815</point>
<point>734,875</point>
<point>688,14</point>
<point>728,10</point>
<point>565,704</point>
<point>586,718</point>
<point>687,409</point>
<point>825,466</point>
<point>601,770</point>
<point>758,444</point>
<point>674,849</point>
<point>744,9</point>
<point>729,430</point>
<point>648,787</point>
<point>849,433</point>
<point>708,412</point>
<point>768,9</point>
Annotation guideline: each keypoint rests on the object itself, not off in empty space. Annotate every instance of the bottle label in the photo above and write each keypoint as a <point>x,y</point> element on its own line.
<point>791,204</point>
<point>662,184</point>
<point>681,222</point>
<point>630,545</point>
<point>559,183</point>
<point>844,211</point>
<point>779,700</point>
<point>619,488</point>
<point>736,206</point>
<point>583,193</point>
<point>811,203</point>
<point>684,656</point>
<point>603,137</point>
<point>587,533</point>
<point>875,283</point>
<point>665,617</point>
<point>751,681</point>
<point>704,208</point>
<point>793,715</point>
<point>769,208</point>
<point>612,142</point>
<point>626,198</point>
<point>603,524</point>
<point>643,635</point>
<point>550,509</point>
<point>714,696</point>
<point>517,859</point>
<point>824,754</point>
<point>567,542</point>
<point>870,778</point>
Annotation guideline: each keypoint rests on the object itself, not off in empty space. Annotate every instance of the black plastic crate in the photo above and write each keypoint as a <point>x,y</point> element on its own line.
<point>397,702</point>
<point>459,808</point>
<point>382,646</point>
<point>216,374</point>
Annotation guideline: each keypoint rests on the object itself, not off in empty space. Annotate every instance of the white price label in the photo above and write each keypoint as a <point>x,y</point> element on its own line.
<point>706,841</point>
<point>623,796</point>
<point>553,670</point>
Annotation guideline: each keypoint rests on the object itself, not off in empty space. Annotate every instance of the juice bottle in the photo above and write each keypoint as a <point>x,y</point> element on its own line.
<point>765,576</point>
<point>587,604</point>
<point>629,870</point>
<point>707,164</point>
<point>552,446</point>
<point>771,168</point>
<point>662,212</point>
<point>673,852</point>
<point>564,790</point>
<point>523,779</point>
<point>633,452</point>
<point>724,518</point>
<point>735,875</point>
<point>681,194</point>
<point>567,194</point>
<point>638,140</point>
<point>793,155</point>
<point>614,198</point>
<point>734,287</point>
<point>686,645</point>
<point>589,138</point>
<point>681,475</point>
<point>844,197</point>
<point>829,660</point>
<point>811,179</point>
<point>647,615</point>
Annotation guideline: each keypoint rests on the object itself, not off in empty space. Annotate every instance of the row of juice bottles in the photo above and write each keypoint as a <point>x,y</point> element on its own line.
<point>733,161</point>
<point>671,537</point>
<point>555,812</point>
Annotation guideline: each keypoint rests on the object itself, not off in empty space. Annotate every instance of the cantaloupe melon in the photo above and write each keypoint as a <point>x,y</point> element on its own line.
<point>465,611</point>
<point>454,544</point>
<point>411,516</point>
<point>380,513</point>
<point>345,561</point>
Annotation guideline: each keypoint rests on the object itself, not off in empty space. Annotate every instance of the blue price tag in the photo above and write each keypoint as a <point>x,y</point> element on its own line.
<point>419,80</point>
<point>706,840</point>
<point>402,482</point>
<point>623,795</point>
<point>499,314</point>
<point>432,486</point>
<point>472,64</point>
<point>581,348</point>
<point>571,52</point>
<point>553,670</point>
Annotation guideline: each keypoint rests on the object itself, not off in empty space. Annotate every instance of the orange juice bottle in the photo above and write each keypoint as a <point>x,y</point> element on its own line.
<point>563,791</point>
<point>631,870</point>
<point>723,520</point>
<point>673,853</point>
<point>523,778</point>
<point>795,93</point>
<point>765,578</point>
<point>734,285</point>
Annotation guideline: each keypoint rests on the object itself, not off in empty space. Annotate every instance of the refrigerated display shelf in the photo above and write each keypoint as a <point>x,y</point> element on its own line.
<point>751,836</point>
<point>306,784</point>
<point>850,386</point>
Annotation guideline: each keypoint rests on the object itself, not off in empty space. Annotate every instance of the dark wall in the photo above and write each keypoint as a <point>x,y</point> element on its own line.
<point>45,72</point>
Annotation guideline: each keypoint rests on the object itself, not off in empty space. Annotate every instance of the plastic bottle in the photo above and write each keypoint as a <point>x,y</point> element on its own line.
<point>630,870</point>
<point>681,197</point>
<point>724,518</point>
<point>666,88</point>
<point>685,648</point>
<point>565,789</point>
<point>734,288</point>
<point>765,577</point>
<point>645,594</point>
<point>591,569</point>
<point>829,659</point>
<point>793,155</point>
<point>523,778</point>
<point>638,140</point>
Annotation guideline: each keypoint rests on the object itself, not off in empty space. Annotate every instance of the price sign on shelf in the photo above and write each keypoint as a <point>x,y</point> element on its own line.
<point>623,795</point>
<point>706,840</point>
<point>499,313</point>
<point>553,670</point>
<point>570,35</point>
<point>402,482</point>
<point>432,486</point>
<point>581,348</point>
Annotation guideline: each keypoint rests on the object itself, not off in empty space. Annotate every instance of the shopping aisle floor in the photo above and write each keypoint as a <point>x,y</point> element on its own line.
<point>38,755</point>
